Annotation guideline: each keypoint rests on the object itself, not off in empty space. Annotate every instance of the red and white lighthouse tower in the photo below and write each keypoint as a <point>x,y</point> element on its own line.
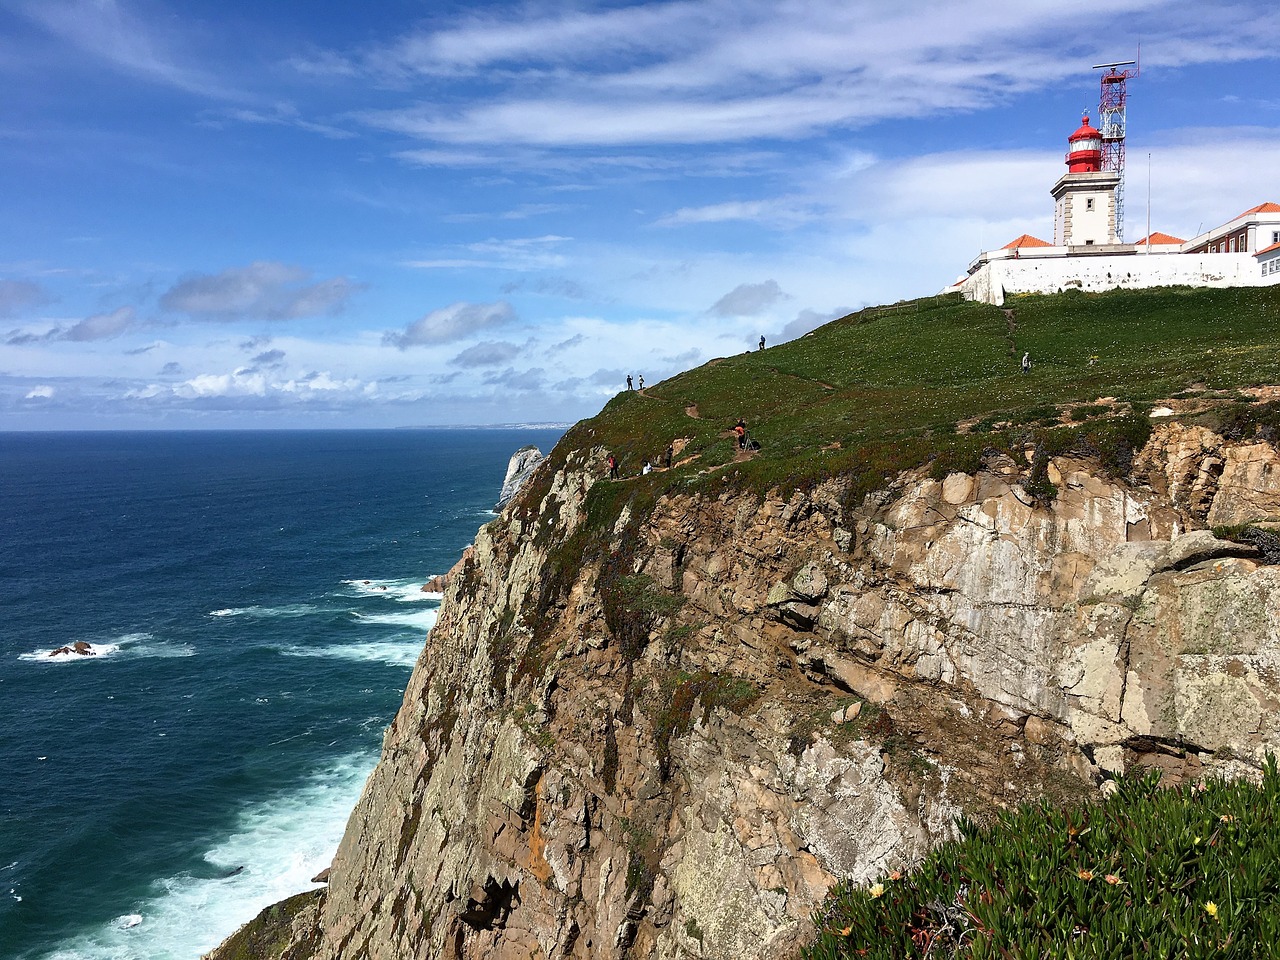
<point>1085,196</point>
<point>1084,149</point>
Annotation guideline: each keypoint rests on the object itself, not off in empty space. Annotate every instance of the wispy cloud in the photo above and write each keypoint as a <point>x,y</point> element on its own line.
<point>264,290</point>
<point>523,212</point>
<point>718,72</point>
<point>279,115</point>
<point>148,47</point>
<point>781,210</point>
<point>515,253</point>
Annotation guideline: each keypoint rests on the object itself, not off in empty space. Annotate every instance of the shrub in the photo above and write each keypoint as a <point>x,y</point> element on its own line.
<point>1185,872</point>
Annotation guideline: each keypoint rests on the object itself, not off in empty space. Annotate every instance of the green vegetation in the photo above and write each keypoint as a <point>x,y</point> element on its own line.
<point>267,935</point>
<point>1188,872</point>
<point>679,692</point>
<point>883,390</point>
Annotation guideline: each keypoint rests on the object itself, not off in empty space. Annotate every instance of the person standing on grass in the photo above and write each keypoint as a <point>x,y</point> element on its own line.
<point>642,381</point>
<point>671,452</point>
<point>740,429</point>
<point>762,341</point>
<point>629,384</point>
<point>1026,362</point>
<point>613,467</point>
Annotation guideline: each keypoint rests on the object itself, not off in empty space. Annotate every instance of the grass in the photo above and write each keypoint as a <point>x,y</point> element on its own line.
<point>880,391</point>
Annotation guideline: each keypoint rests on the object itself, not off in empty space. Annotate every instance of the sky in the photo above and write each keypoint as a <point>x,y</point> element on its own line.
<point>321,214</point>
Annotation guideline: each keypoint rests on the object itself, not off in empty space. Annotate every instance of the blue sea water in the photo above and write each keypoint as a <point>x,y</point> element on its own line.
<point>254,604</point>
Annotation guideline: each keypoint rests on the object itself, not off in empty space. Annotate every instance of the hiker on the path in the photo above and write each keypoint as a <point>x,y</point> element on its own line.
<point>648,468</point>
<point>613,467</point>
<point>740,428</point>
<point>629,384</point>
<point>642,381</point>
<point>762,341</point>
<point>1026,362</point>
<point>671,452</point>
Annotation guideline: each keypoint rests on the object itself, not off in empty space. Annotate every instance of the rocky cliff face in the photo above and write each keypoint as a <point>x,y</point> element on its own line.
<point>519,469</point>
<point>670,744</point>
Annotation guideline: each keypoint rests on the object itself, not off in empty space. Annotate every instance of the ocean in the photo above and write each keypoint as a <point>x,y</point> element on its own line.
<point>253,604</point>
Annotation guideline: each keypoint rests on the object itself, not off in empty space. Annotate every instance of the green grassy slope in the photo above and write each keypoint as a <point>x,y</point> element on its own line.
<point>884,389</point>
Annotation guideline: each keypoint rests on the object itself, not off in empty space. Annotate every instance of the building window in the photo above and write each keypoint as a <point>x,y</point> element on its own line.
<point>1233,245</point>
<point>1088,243</point>
<point>1275,236</point>
<point>1088,204</point>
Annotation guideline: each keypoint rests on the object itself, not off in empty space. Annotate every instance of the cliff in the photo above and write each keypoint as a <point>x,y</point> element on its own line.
<point>660,716</point>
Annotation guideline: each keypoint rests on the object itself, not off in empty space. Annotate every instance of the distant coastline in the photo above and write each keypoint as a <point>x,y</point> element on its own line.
<point>564,425</point>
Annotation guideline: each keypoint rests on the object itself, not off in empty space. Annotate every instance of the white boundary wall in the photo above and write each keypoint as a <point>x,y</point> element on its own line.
<point>995,279</point>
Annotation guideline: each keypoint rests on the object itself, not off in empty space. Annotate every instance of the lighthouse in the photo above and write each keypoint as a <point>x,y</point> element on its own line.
<point>1085,196</point>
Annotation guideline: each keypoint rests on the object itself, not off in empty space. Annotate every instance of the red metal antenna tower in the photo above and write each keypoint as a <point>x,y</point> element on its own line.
<point>1111,123</point>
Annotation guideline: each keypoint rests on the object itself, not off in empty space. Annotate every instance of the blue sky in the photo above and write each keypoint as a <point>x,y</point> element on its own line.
<point>308,213</point>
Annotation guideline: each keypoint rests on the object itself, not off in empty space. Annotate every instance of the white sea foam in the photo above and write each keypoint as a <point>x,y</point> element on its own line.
<point>278,846</point>
<point>420,620</point>
<point>126,645</point>
<point>262,613</point>
<point>395,653</point>
<point>404,591</point>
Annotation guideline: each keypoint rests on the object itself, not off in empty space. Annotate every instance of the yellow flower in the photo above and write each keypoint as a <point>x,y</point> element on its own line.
<point>1211,909</point>
<point>1084,874</point>
<point>1226,818</point>
<point>877,890</point>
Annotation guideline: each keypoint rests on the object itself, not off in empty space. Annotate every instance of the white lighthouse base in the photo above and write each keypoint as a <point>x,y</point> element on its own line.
<point>998,274</point>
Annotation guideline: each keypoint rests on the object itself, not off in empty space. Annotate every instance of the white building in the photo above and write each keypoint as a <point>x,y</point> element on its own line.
<point>1087,255</point>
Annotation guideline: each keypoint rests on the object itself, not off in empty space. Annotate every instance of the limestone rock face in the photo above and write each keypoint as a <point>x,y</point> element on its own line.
<point>794,692</point>
<point>521,466</point>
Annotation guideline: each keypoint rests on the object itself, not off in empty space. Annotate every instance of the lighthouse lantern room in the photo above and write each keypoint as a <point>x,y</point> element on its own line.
<point>1085,196</point>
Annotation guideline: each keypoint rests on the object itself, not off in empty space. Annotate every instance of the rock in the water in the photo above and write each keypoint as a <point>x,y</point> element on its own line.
<point>523,462</point>
<point>77,649</point>
<point>440,582</point>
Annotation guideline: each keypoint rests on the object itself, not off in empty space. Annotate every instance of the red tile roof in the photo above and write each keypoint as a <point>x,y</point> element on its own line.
<point>1274,246</point>
<point>1158,237</point>
<point>1261,208</point>
<point>1026,240</point>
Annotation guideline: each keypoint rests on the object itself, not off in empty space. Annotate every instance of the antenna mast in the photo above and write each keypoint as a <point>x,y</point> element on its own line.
<point>1111,124</point>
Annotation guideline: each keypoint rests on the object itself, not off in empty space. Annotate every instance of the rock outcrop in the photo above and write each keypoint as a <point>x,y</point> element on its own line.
<point>666,733</point>
<point>519,469</point>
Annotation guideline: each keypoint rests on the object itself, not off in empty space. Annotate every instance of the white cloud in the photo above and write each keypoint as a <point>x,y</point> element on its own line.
<point>748,299</point>
<point>16,295</point>
<point>490,353</point>
<point>42,392</point>
<point>454,322</point>
<point>102,326</point>
<point>265,290</point>
<point>99,326</point>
